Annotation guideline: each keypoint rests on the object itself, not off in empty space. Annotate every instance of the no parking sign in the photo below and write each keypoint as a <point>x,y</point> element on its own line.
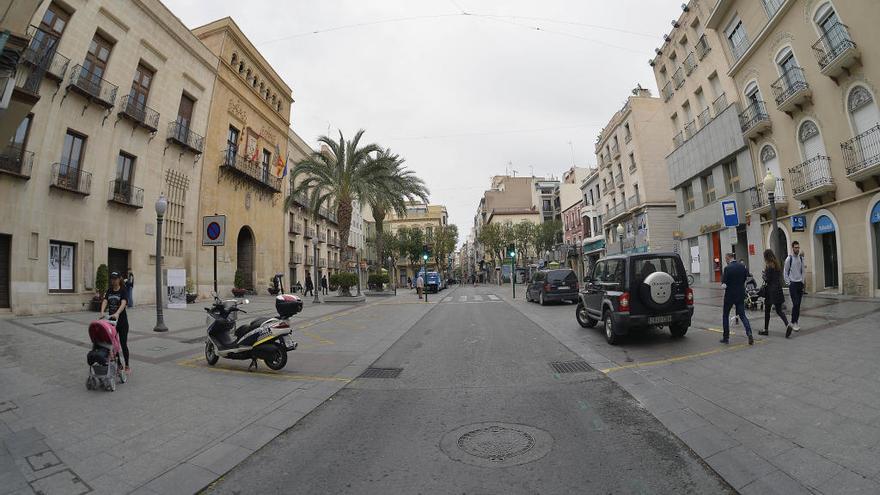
<point>214,230</point>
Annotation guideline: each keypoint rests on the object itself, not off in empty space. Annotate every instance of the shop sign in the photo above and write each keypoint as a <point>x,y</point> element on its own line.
<point>710,228</point>
<point>594,246</point>
<point>798,223</point>
<point>728,210</point>
<point>824,225</point>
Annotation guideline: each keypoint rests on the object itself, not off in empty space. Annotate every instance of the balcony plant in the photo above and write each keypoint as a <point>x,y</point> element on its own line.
<point>102,281</point>
<point>191,294</point>
<point>238,289</point>
<point>344,281</point>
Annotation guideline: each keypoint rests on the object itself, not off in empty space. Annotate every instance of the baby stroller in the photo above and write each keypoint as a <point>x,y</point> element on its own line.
<point>106,362</point>
<point>753,300</point>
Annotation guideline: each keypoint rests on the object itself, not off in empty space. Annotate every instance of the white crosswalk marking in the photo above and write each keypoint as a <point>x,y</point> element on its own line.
<point>493,297</point>
<point>478,297</point>
<point>448,299</point>
<point>462,298</point>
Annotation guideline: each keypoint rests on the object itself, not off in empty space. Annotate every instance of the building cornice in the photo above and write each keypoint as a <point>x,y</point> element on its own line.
<point>272,119</point>
<point>204,59</point>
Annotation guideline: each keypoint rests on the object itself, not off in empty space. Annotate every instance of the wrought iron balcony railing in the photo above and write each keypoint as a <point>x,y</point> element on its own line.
<point>634,201</point>
<point>667,91</point>
<point>310,259</point>
<point>92,86</point>
<point>761,200</point>
<point>309,233</point>
<point>833,45</point>
<point>71,179</point>
<point>678,77</point>
<point>678,139</point>
<point>181,135</point>
<point>139,113</point>
<point>789,85</point>
<point>719,104</point>
<point>703,118</point>
<point>811,177</point>
<point>124,193</point>
<point>862,154</point>
<point>690,63</point>
<point>740,48</point>
<point>690,129</point>
<point>702,47</point>
<point>322,237</point>
<point>14,160</point>
<point>296,258</point>
<point>295,228</point>
<point>753,114</point>
<point>251,170</point>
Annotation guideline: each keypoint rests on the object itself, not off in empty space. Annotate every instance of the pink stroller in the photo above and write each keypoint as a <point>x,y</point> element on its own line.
<point>106,363</point>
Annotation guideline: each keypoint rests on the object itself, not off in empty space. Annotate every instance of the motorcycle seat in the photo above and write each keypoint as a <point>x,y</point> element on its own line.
<point>247,327</point>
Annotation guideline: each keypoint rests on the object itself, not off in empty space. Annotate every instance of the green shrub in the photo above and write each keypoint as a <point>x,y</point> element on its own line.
<point>238,282</point>
<point>102,279</point>
<point>343,280</point>
<point>377,280</point>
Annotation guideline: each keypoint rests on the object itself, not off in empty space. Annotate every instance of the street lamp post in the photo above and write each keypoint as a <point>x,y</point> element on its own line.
<point>770,187</point>
<point>161,207</point>
<point>358,267</point>
<point>620,231</point>
<point>391,275</point>
<point>316,300</point>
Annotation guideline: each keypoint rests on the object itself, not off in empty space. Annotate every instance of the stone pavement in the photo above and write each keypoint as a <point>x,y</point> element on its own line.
<point>786,416</point>
<point>178,424</point>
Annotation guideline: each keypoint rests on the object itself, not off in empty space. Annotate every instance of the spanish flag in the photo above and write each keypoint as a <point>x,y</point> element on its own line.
<point>280,163</point>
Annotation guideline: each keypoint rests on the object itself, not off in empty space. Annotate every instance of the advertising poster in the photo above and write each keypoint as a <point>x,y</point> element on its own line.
<point>54,267</point>
<point>66,267</point>
<point>176,290</point>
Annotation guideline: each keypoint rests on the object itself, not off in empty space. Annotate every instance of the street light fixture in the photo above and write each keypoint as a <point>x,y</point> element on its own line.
<point>770,187</point>
<point>620,232</point>
<point>316,300</point>
<point>161,207</point>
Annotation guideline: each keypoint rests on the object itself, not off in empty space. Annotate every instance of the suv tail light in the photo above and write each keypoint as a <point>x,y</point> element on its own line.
<point>689,296</point>
<point>624,302</point>
<point>546,287</point>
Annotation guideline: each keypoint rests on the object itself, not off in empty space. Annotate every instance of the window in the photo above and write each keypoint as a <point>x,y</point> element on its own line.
<point>610,272</point>
<point>731,177</point>
<point>753,94</point>
<point>547,206</point>
<point>632,162</point>
<point>772,6</point>
<point>176,184</point>
<point>708,189</point>
<point>140,89</point>
<point>184,115</point>
<point>62,266</point>
<point>826,18</point>
<point>95,63</point>
<point>51,28</point>
<point>736,36</point>
<point>71,159</point>
<point>647,266</point>
<point>18,143</point>
<point>863,111</point>
<point>688,192</point>
<point>232,145</point>
<point>124,167</point>
<point>264,165</point>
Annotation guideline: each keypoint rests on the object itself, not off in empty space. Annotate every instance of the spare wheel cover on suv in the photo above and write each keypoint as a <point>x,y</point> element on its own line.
<point>656,290</point>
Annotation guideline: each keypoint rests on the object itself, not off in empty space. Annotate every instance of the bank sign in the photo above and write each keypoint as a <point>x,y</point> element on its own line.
<point>728,210</point>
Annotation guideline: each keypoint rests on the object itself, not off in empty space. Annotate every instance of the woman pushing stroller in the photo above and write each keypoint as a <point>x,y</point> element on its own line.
<point>114,303</point>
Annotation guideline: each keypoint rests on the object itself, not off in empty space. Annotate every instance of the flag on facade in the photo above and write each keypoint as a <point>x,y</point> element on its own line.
<point>286,164</point>
<point>280,163</point>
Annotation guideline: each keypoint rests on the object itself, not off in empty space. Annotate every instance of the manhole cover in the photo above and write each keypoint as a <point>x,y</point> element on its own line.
<point>496,444</point>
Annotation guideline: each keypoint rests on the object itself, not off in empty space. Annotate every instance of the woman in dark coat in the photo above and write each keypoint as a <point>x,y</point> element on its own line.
<point>774,295</point>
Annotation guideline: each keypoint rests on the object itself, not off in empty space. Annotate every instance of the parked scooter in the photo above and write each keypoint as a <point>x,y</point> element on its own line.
<point>268,339</point>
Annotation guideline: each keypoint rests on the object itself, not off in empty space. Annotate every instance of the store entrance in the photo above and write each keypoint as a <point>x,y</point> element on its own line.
<point>829,259</point>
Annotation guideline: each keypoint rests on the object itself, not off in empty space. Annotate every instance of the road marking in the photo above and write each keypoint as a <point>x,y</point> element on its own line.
<point>493,297</point>
<point>448,299</point>
<point>478,297</point>
<point>679,358</point>
<point>462,298</point>
<point>193,363</point>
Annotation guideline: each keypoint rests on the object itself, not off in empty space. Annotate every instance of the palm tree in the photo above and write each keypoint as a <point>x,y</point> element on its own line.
<point>404,186</point>
<point>341,173</point>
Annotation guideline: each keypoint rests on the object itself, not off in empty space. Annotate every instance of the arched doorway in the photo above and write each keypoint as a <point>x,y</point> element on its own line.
<point>874,241</point>
<point>245,255</point>
<point>825,251</point>
<point>780,244</point>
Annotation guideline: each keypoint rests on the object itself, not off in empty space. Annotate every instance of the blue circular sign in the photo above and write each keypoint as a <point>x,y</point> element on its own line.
<point>213,231</point>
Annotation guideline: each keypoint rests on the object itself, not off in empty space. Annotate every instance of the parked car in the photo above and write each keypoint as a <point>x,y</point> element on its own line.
<point>637,291</point>
<point>432,282</point>
<point>553,285</point>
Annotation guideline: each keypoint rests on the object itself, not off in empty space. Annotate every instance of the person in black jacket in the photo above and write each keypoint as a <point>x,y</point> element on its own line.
<point>310,286</point>
<point>734,280</point>
<point>773,292</point>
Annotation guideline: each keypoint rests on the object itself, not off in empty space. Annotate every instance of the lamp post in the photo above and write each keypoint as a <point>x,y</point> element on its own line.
<point>316,300</point>
<point>770,187</point>
<point>358,267</point>
<point>161,207</point>
<point>391,275</point>
<point>620,231</point>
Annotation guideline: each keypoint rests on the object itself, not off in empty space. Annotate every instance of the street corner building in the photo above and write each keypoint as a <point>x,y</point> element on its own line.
<point>245,160</point>
<point>806,76</point>
<point>113,98</point>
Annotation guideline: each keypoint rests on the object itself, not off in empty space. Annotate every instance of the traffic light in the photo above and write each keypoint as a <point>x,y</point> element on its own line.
<point>426,252</point>
<point>511,250</point>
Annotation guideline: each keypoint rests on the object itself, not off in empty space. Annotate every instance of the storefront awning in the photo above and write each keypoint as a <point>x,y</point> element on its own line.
<point>590,247</point>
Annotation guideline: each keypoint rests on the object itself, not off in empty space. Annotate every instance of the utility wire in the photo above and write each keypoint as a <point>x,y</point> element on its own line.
<point>489,133</point>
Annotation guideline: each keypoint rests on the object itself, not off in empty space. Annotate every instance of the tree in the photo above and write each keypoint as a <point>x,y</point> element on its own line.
<point>403,186</point>
<point>492,237</point>
<point>524,236</point>
<point>337,176</point>
<point>548,236</point>
<point>410,243</point>
<point>443,242</point>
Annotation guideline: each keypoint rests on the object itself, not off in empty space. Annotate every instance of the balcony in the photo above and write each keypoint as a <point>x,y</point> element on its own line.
<point>42,51</point>
<point>812,178</point>
<point>618,179</point>
<point>702,47</point>
<point>690,129</point>
<point>835,51</point>
<point>295,228</point>
<point>791,90</point>
<point>250,171</point>
<point>678,77</point>
<point>322,237</point>
<point>125,194</point>
<point>666,92</point>
<point>704,118</point>
<point>609,190</point>
<point>719,104</point>
<point>70,179</point>
<point>754,119</point>
<point>329,215</point>
<point>295,259</point>
<point>761,202</point>
<point>588,210</point>
<point>690,63</point>
<point>678,139</point>
<point>16,161</point>
<point>634,201</point>
<point>301,199</point>
<point>862,155</point>
<point>333,241</point>
<point>615,150</point>
<point>615,211</point>
<point>91,86</point>
<point>322,263</point>
<point>310,260</point>
<point>309,233</point>
<point>181,135</point>
<point>140,114</point>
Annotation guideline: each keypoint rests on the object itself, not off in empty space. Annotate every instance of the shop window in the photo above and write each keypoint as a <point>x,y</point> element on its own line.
<point>731,177</point>
<point>708,189</point>
<point>62,266</point>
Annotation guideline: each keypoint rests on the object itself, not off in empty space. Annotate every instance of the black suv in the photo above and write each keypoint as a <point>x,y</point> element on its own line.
<point>632,291</point>
<point>553,285</point>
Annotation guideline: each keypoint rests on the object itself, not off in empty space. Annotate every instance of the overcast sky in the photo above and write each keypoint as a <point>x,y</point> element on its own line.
<point>459,96</point>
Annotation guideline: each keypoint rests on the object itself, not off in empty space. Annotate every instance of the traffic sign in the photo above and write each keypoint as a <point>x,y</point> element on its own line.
<point>214,230</point>
<point>728,211</point>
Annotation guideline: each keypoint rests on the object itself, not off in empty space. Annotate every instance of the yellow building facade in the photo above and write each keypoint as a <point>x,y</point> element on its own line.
<point>418,215</point>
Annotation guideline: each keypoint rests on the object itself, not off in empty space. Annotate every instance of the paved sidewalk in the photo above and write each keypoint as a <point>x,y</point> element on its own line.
<point>785,416</point>
<point>178,424</point>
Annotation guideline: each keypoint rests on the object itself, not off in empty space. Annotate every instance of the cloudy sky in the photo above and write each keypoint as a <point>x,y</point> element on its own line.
<point>522,85</point>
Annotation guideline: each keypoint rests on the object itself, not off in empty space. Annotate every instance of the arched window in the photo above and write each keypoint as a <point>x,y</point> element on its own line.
<point>826,18</point>
<point>752,92</point>
<point>811,140</point>
<point>770,161</point>
<point>862,109</point>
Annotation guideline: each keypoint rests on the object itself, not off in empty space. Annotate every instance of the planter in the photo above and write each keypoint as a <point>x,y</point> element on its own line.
<point>239,292</point>
<point>191,297</point>
<point>345,299</point>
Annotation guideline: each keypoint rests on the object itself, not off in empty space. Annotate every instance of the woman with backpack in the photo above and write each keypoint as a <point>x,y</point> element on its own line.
<point>773,295</point>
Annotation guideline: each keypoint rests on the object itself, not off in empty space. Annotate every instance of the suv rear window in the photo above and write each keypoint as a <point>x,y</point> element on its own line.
<point>642,267</point>
<point>609,272</point>
<point>561,275</point>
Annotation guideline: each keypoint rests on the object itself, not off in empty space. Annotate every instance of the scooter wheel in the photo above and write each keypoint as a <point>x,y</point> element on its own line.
<point>90,383</point>
<point>278,360</point>
<point>211,353</point>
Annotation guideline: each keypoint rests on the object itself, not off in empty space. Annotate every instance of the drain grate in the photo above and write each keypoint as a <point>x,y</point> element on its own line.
<point>571,367</point>
<point>381,373</point>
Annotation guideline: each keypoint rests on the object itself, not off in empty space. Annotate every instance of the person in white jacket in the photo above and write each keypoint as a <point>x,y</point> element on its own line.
<point>794,277</point>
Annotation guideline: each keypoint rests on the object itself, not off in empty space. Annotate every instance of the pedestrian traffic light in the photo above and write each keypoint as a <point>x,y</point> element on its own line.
<point>511,250</point>
<point>426,253</point>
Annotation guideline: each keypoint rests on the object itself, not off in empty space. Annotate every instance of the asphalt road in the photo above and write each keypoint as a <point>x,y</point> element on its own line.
<point>476,409</point>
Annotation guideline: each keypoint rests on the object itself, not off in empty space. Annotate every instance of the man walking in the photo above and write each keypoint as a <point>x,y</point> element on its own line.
<point>420,285</point>
<point>794,276</point>
<point>324,284</point>
<point>310,286</point>
<point>734,280</point>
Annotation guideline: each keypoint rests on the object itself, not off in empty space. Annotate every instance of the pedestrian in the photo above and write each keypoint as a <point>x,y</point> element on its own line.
<point>420,285</point>
<point>794,276</point>
<point>773,295</point>
<point>114,303</point>
<point>324,284</point>
<point>129,288</point>
<point>734,282</point>
<point>310,286</point>
<point>409,282</point>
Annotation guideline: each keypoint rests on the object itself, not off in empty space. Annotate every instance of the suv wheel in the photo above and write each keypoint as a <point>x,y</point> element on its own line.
<point>610,336</point>
<point>583,318</point>
<point>678,330</point>
<point>541,300</point>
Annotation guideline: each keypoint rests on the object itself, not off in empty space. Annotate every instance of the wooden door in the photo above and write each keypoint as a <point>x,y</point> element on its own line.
<point>140,89</point>
<point>185,112</point>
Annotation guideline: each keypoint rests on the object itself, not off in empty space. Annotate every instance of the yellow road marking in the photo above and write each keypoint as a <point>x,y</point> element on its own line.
<point>678,358</point>
<point>193,363</point>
